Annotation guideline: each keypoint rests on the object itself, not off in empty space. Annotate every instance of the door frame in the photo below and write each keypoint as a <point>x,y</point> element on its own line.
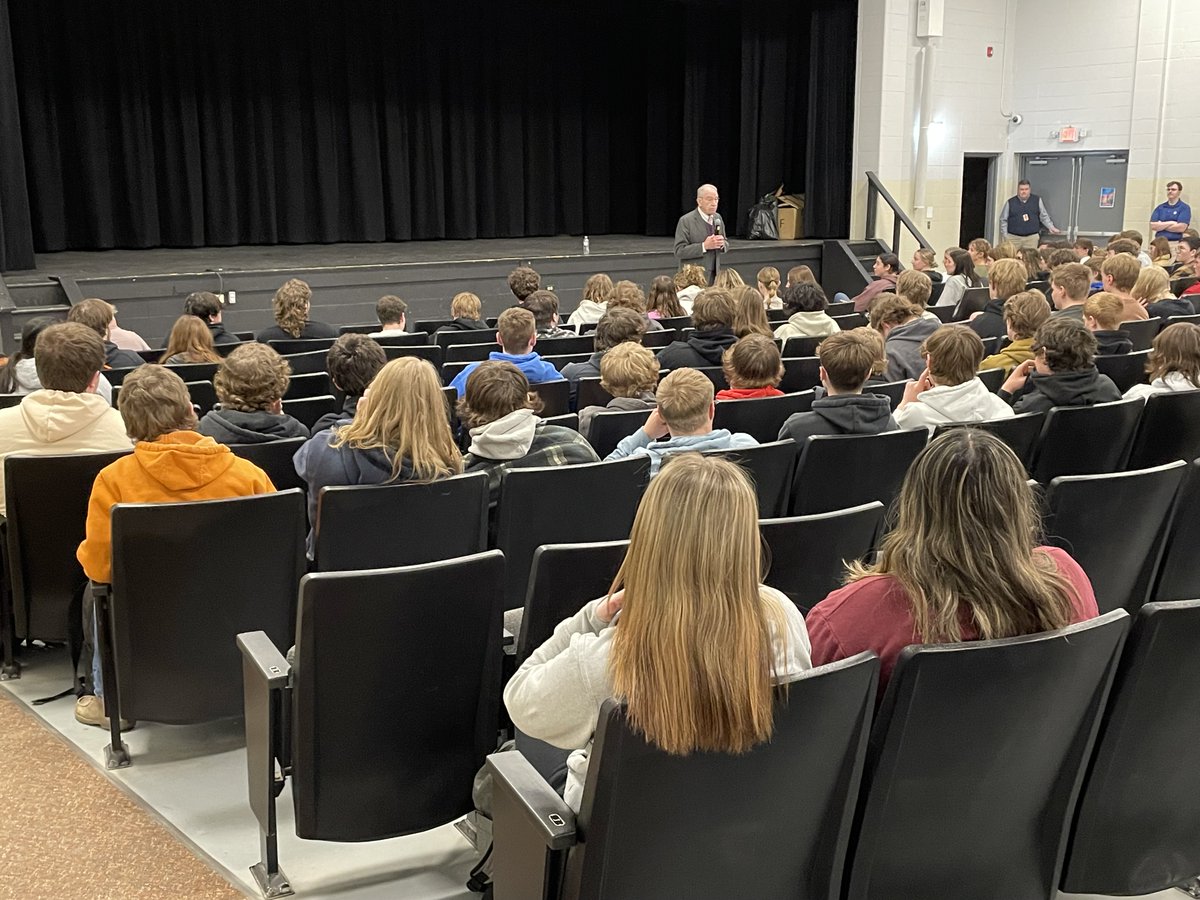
<point>990,209</point>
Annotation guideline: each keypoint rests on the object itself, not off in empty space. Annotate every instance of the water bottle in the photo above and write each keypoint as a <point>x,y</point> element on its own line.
<point>587,246</point>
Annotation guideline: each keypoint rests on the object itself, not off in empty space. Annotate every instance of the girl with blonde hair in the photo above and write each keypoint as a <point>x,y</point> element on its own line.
<point>768,286</point>
<point>597,291</point>
<point>1153,291</point>
<point>290,306</point>
<point>1174,362</point>
<point>750,316</point>
<point>937,580</point>
<point>924,260</point>
<point>687,636</point>
<point>729,279</point>
<point>190,342</point>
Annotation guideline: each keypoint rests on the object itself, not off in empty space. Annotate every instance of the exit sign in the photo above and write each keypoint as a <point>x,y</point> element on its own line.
<point>1068,135</point>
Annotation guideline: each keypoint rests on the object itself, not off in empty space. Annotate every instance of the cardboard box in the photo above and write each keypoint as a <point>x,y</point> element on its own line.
<point>791,215</point>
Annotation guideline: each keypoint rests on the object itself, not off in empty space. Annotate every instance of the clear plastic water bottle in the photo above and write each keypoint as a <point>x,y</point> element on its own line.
<point>587,246</point>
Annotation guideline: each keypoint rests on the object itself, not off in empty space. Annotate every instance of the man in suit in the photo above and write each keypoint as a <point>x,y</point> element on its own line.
<point>700,234</point>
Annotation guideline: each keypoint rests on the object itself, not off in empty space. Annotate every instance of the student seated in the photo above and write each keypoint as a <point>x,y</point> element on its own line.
<point>847,360</point>
<point>506,433</point>
<point>206,306</point>
<point>753,368</point>
<point>916,288</point>
<point>886,270</point>
<point>291,306</point>
<point>516,333</point>
<point>628,295</point>
<point>351,362</point>
<point>190,342</point>
<point>904,329</point>
<point>685,413</point>
<point>19,374</point>
<point>1174,363</point>
<point>712,316</point>
<point>597,291</point>
<point>98,316</point>
<point>963,562</point>
<point>544,306</point>
<point>1102,317</point>
<point>523,281</point>
<point>250,385</point>
<point>768,287</point>
<point>629,372</point>
<point>1062,371</point>
<point>696,674</point>
<point>616,327</point>
<point>1024,314</point>
<point>690,280</point>
<point>749,314</point>
<point>807,306</point>
<point>1006,278</point>
<point>170,463</point>
<point>123,337</point>
<point>65,414</point>
<point>948,390</point>
<point>663,302</point>
<point>960,275</point>
<point>392,313</point>
<point>1118,275</point>
<point>1153,290</point>
<point>466,309</point>
<point>1069,284</point>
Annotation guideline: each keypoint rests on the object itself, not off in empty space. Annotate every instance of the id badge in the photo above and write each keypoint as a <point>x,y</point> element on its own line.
<point>1025,217</point>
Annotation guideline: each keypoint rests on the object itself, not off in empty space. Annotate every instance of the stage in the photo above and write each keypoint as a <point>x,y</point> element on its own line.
<point>148,286</point>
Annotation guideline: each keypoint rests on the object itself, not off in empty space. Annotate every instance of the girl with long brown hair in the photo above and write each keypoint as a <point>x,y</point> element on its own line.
<point>749,315</point>
<point>687,636</point>
<point>190,342</point>
<point>663,302</point>
<point>963,563</point>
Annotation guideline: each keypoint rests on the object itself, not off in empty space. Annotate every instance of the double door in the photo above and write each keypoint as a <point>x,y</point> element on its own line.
<point>1084,193</point>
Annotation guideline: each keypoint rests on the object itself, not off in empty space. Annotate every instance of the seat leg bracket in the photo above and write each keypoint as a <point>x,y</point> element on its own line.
<point>272,884</point>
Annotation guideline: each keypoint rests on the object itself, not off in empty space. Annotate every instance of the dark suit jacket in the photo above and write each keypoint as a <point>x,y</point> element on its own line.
<point>689,242</point>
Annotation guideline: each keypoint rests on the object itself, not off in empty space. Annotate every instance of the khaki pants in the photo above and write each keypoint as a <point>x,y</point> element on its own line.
<point>1026,240</point>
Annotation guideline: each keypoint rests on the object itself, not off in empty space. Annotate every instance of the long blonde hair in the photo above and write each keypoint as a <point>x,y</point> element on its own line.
<point>1153,283</point>
<point>405,414</point>
<point>963,548</point>
<point>692,655</point>
<point>729,278</point>
<point>749,314</point>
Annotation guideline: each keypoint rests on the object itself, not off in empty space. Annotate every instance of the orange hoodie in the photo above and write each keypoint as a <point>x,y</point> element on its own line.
<point>175,468</point>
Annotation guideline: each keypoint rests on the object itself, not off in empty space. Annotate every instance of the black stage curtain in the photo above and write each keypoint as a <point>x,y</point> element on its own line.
<point>16,232</point>
<point>148,124</point>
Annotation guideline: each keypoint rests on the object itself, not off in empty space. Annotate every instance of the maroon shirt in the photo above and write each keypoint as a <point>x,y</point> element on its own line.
<point>874,614</point>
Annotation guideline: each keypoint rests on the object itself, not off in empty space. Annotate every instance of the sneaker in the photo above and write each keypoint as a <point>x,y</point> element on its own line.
<point>89,710</point>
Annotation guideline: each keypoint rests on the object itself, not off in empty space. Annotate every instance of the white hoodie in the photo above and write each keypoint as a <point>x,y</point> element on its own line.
<point>1172,381</point>
<point>55,422</point>
<point>587,312</point>
<point>970,401</point>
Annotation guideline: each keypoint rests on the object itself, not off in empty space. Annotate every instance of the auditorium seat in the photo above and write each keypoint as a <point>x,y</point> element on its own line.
<point>1135,827</point>
<point>1178,576</point>
<point>307,410</point>
<point>446,339</point>
<point>203,394</point>
<point>1078,519</point>
<point>1086,440</point>
<point>975,761</point>
<point>656,340</point>
<point>379,526</point>
<point>450,371</point>
<point>563,420</point>
<point>187,578</point>
<point>893,390</point>
<point>429,352</point>
<point>275,458</point>
<point>676,322</point>
<point>800,374</point>
<point>195,371</point>
<point>226,349</point>
<point>563,504</point>
<point>1192,319</point>
<point>295,346</point>
<point>973,301</point>
<point>408,339</point>
<point>9,400</point>
<point>992,379</point>
<point>47,500</point>
<point>808,554</point>
<point>801,346</point>
<point>1125,369</point>
<point>771,822</point>
<point>1141,332</point>
<point>945,314</point>
<point>116,376</point>
<point>360,328</point>
<point>555,397</point>
<point>609,428</point>
<point>715,374</point>
<point>850,320</point>
<point>834,310</point>
<point>308,363</point>
<point>844,470</point>
<point>315,385</point>
<point>777,316</point>
<point>1020,432</point>
<point>1169,429</point>
<point>562,361</point>
<point>244,336</point>
<point>590,393</point>
<point>770,467</point>
<point>394,700</point>
<point>430,325</point>
<point>469,352</point>
<point>561,346</point>
<point>150,356</point>
<point>760,417</point>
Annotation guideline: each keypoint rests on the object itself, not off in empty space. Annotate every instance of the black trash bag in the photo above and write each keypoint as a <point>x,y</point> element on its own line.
<point>764,219</point>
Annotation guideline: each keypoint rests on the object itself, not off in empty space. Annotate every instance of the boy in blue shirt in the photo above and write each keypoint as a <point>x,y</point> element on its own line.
<point>516,333</point>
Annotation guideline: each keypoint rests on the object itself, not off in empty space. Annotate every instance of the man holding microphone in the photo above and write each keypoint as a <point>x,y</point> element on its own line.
<point>700,234</point>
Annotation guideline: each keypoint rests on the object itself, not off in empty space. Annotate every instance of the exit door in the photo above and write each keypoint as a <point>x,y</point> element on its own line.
<point>1084,193</point>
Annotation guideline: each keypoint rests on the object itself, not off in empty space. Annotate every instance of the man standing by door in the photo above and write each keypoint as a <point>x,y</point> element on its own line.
<point>1023,216</point>
<point>1171,219</point>
<point>700,234</point>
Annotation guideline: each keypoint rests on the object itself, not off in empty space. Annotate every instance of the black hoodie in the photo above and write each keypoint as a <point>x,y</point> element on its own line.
<point>701,350</point>
<point>1083,388</point>
<point>1112,343</point>
<point>232,426</point>
<point>990,322</point>
<point>464,325</point>
<point>843,414</point>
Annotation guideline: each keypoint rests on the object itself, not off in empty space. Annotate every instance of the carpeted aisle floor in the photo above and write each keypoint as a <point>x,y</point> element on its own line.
<point>69,832</point>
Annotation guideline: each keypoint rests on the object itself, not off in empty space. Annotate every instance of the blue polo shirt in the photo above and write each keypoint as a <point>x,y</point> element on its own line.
<point>1165,212</point>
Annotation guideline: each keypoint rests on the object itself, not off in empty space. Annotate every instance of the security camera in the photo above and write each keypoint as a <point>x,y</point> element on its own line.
<point>1016,118</point>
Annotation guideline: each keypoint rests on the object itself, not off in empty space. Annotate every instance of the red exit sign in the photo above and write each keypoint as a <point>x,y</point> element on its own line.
<point>1068,135</point>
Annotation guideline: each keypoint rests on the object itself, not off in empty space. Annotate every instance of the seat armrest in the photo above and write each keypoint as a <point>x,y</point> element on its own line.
<point>261,656</point>
<point>550,816</point>
<point>100,590</point>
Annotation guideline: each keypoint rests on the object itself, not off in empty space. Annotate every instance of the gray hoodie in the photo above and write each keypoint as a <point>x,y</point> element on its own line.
<point>903,348</point>
<point>843,414</point>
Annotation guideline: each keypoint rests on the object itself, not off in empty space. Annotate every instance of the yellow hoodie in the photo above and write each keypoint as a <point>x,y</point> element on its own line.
<point>175,468</point>
<point>1010,357</point>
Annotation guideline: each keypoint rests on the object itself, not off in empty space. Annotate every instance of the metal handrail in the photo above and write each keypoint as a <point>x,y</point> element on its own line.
<point>875,190</point>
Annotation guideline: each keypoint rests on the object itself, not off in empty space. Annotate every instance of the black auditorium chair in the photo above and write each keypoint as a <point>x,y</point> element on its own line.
<point>1086,440</point>
<point>1112,525</point>
<point>563,345</point>
<point>1168,429</point>
<point>839,471</point>
<point>973,301</point>
<point>801,373</point>
<point>116,376</point>
<point>424,641</point>
<point>308,410</point>
<point>677,323</point>
<point>316,384</point>
<point>992,379</point>
<point>195,371</point>
<point>893,390</point>
<point>778,316</point>
<point>935,294</point>
<point>851,320</point>
<point>300,345</point>
<point>1020,432</point>
<point>715,374</point>
<point>429,352</point>
<point>801,346</point>
<point>307,363</point>
<point>226,349</point>
<point>657,339</point>
<point>944,313</point>
<point>168,623</point>
<point>590,393</point>
<point>275,458</point>
<point>609,428</point>
<point>202,393</point>
<point>991,345</point>
<point>429,326</point>
<point>450,371</point>
<point>9,400</point>
<point>561,361</point>
<point>1177,576</point>
<point>563,504</point>
<point>150,356</point>
<point>1125,369</point>
<point>1139,811</point>
<point>1141,332</point>
<point>770,467</point>
<point>809,553</point>
<point>1171,320</point>
<point>408,339</point>
<point>761,417</point>
<point>555,397</point>
<point>468,352</point>
<point>244,336</point>
<point>563,578</point>
<point>47,501</point>
<point>772,822</point>
<point>975,762</point>
<point>563,420</point>
<point>840,309</point>
<point>446,339</point>
<point>379,526</point>
<point>361,328</point>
